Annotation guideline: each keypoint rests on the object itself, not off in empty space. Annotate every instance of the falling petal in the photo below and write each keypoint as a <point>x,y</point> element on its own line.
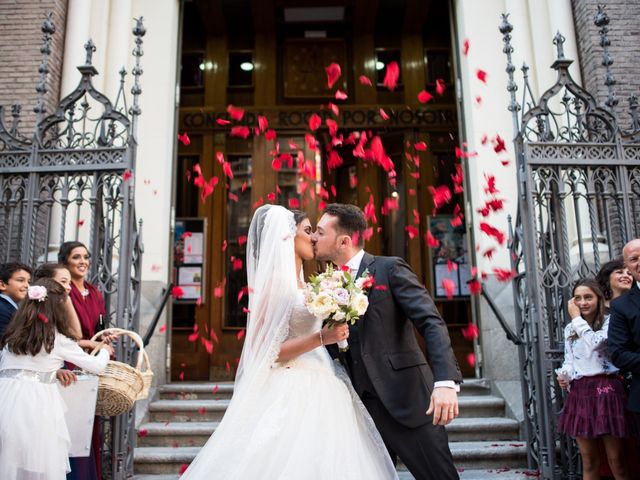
<point>222,121</point>
<point>412,231</point>
<point>240,334</point>
<point>294,203</point>
<point>470,332</point>
<point>334,108</point>
<point>177,292</point>
<point>499,145</point>
<point>391,76</point>
<point>340,95</point>
<point>263,123</point>
<point>184,138</point>
<point>127,174</point>
<point>421,146</point>
<point>314,122</point>
<point>333,74</point>
<point>449,287</point>
<point>334,160</point>
<point>383,114</point>
<point>471,359</point>
<point>493,232</point>
<point>465,47</point>
<point>364,80</point>
<point>482,75</point>
<point>240,131</point>
<point>440,86</point>
<point>235,112</point>
<point>270,135</point>
<point>431,240</point>
<point>424,96</point>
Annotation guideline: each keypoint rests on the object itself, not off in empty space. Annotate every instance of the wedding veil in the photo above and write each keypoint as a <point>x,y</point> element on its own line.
<point>271,276</point>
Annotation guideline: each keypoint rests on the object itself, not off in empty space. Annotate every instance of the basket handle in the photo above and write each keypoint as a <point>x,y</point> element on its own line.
<point>133,335</point>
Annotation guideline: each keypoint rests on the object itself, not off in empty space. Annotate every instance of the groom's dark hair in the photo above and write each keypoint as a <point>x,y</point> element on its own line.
<point>350,220</point>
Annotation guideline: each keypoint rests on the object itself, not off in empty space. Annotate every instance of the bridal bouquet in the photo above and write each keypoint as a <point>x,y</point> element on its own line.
<point>335,296</point>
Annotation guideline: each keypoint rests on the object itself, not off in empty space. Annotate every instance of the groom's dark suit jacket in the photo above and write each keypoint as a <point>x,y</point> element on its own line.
<point>384,357</point>
<point>624,339</point>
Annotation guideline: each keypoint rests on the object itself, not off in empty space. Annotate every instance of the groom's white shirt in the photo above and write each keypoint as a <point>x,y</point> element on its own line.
<point>354,265</point>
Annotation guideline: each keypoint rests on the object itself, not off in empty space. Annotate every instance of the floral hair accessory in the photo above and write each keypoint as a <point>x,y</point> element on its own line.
<point>37,293</point>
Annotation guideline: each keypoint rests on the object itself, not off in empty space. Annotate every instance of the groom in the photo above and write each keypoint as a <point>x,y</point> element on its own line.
<point>409,399</point>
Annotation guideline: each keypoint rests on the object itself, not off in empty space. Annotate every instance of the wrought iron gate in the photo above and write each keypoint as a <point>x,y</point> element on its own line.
<point>71,179</point>
<point>579,202</point>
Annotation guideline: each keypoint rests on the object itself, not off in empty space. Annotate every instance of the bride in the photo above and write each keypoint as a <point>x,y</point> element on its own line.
<point>293,414</point>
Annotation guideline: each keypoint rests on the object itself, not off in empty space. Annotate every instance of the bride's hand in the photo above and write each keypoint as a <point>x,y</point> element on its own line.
<point>335,333</point>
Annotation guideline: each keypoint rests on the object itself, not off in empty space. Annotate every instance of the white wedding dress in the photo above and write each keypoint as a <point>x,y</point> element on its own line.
<point>308,424</point>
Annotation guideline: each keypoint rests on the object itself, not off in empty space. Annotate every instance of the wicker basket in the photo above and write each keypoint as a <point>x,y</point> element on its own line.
<point>120,385</point>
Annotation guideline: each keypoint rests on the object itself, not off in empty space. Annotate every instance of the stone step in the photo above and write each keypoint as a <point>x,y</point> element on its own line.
<point>212,410</point>
<point>196,433</point>
<point>196,391</point>
<point>187,410</point>
<point>475,386</point>
<point>499,456</point>
<point>487,474</point>
<point>221,390</point>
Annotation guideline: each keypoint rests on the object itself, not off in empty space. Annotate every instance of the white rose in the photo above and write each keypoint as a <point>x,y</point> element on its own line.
<point>339,315</point>
<point>360,303</point>
<point>323,305</point>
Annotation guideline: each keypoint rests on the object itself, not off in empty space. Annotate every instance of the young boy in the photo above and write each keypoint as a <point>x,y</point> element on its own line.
<point>14,281</point>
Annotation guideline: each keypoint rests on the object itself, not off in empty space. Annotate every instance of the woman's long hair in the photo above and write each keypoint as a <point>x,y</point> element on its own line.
<point>603,276</point>
<point>35,323</point>
<point>598,320</point>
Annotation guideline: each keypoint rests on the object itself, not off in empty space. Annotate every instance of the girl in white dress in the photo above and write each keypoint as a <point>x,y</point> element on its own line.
<point>293,415</point>
<point>34,439</point>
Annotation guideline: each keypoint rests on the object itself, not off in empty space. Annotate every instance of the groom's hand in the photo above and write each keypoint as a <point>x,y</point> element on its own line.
<point>443,406</point>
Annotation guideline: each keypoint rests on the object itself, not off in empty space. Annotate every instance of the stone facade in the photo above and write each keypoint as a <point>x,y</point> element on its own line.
<point>624,35</point>
<point>20,57</point>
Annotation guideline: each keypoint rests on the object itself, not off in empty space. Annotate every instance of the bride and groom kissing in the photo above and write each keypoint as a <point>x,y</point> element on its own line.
<point>297,414</point>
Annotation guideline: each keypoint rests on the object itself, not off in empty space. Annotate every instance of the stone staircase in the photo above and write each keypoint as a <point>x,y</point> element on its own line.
<point>483,440</point>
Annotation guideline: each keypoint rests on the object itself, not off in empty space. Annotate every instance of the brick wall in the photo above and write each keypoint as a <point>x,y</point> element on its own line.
<point>20,40</point>
<point>624,34</point>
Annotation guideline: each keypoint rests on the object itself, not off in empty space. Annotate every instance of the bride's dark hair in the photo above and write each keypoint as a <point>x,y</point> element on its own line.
<point>299,216</point>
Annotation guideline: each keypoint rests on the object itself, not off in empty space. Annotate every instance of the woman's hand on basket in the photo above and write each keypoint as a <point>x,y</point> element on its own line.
<point>109,338</point>
<point>108,348</point>
<point>334,334</point>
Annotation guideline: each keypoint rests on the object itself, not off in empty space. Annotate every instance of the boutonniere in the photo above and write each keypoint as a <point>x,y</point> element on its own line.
<point>366,281</point>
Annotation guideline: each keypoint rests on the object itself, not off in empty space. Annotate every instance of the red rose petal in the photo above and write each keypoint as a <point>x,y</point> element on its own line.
<point>184,138</point>
<point>235,112</point>
<point>391,76</point>
<point>333,74</point>
<point>424,96</point>
<point>364,80</point>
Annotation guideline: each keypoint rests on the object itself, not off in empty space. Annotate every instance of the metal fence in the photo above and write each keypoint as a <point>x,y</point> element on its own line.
<point>579,202</point>
<point>71,179</point>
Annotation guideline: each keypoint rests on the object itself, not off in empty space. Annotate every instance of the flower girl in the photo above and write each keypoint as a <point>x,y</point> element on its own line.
<point>34,439</point>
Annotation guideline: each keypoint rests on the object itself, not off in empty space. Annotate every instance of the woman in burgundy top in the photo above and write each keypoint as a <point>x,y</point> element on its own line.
<point>90,307</point>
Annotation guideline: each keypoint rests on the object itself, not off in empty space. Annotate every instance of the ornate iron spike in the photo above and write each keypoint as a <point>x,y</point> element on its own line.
<point>506,28</point>
<point>601,20</point>
<point>90,48</point>
<point>138,31</point>
<point>558,41</point>
<point>48,29</point>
